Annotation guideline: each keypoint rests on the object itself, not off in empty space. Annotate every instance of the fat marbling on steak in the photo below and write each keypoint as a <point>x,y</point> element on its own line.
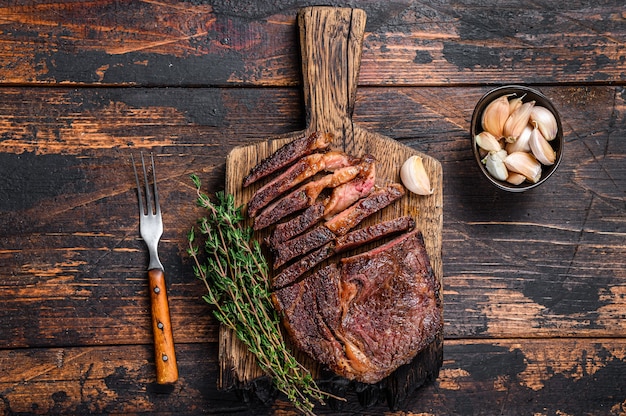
<point>369,314</point>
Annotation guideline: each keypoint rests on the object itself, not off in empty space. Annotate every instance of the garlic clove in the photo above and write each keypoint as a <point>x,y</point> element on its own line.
<point>515,178</point>
<point>495,115</point>
<point>495,166</point>
<point>540,147</point>
<point>521,144</point>
<point>525,164</point>
<point>545,120</point>
<point>414,176</point>
<point>487,141</point>
<point>517,121</point>
<point>501,154</point>
<point>515,103</point>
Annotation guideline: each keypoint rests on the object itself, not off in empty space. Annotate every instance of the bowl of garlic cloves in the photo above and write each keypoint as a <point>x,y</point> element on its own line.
<point>517,137</point>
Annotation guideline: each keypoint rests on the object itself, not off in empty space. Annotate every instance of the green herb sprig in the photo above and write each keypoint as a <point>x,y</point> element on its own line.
<point>235,273</point>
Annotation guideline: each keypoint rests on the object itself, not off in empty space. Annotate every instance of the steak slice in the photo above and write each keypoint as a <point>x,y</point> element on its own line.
<point>301,244</point>
<point>347,194</point>
<point>304,196</point>
<point>382,307</point>
<point>341,223</point>
<point>337,226</point>
<point>296,226</point>
<point>293,272</point>
<point>298,172</point>
<point>372,233</point>
<point>287,154</point>
<point>340,244</point>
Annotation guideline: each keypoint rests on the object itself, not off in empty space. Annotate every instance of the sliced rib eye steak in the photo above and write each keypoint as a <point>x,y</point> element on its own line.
<point>369,315</point>
<point>301,245</point>
<point>341,223</point>
<point>304,196</point>
<point>373,233</point>
<point>348,193</point>
<point>303,169</point>
<point>287,154</point>
<point>296,226</point>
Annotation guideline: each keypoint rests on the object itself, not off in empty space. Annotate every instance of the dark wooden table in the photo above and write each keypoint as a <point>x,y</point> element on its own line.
<point>534,283</point>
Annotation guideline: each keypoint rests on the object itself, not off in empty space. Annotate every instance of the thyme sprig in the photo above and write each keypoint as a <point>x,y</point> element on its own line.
<point>235,272</point>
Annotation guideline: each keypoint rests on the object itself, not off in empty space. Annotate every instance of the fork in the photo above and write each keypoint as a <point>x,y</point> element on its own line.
<point>151,229</point>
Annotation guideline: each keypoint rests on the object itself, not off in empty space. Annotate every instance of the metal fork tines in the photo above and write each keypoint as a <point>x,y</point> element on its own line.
<point>150,220</point>
<point>151,229</point>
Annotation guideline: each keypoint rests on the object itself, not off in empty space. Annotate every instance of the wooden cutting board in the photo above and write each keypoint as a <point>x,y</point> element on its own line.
<point>331,44</point>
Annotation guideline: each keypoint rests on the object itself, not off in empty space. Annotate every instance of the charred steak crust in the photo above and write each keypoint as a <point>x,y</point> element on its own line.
<point>382,307</point>
<point>287,154</point>
<point>296,226</point>
<point>302,244</point>
<point>295,201</point>
<point>295,270</point>
<point>373,233</point>
<point>313,306</point>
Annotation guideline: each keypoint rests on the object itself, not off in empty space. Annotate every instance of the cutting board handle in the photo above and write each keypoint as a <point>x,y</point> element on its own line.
<point>331,41</point>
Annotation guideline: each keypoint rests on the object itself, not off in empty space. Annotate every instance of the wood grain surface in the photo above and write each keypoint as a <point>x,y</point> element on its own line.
<point>535,284</point>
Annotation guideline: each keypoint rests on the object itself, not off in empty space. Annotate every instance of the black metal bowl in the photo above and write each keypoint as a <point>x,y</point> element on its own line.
<point>476,127</point>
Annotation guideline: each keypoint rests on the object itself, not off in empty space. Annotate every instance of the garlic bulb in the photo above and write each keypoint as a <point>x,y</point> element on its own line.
<point>545,120</point>
<point>414,176</point>
<point>495,115</point>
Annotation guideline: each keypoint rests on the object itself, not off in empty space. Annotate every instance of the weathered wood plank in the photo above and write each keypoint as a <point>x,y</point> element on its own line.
<point>72,261</point>
<point>512,377</point>
<point>180,43</point>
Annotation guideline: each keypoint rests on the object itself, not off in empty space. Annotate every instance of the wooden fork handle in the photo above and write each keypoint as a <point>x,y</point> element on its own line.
<point>164,354</point>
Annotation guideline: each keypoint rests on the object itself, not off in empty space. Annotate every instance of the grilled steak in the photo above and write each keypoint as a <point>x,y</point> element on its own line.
<point>304,196</point>
<point>287,154</point>
<point>298,172</point>
<point>369,315</point>
<point>296,226</point>
<point>377,200</point>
